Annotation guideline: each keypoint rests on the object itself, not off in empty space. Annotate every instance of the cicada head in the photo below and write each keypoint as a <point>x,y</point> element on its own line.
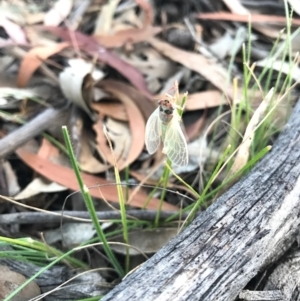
<point>166,110</point>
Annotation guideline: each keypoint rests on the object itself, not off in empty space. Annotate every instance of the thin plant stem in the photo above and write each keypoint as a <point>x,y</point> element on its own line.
<point>90,205</point>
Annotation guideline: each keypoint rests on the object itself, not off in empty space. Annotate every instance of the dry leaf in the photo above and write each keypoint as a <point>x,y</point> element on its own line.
<point>71,234</point>
<point>14,31</point>
<point>87,162</point>
<point>147,241</point>
<point>126,95</point>
<point>66,177</point>
<point>131,35</point>
<point>40,184</point>
<point>235,6</point>
<point>11,180</point>
<point>113,110</point>
<point>37,186</point>
<point>281,67</point>
<point>151,63</point>
<point>205,100</point>
<point>48,150</point>
<point>148,11</point>
<point>244,150</point>
<point>105,17</point>
<point>119,134</point>
<point>13,11</point>
<point>112,36</point>
<point>89,45</point>
<point>255,18</point>
<point>295,4</point>
<point>58,12</point>
<point>72,81</point>
<point>196,62</point>
<point>34,59</point>
<point>10,280</point>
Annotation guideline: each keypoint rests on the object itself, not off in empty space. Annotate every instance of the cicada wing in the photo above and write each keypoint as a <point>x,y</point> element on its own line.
<point>153,132</point>
<point>175,146</point>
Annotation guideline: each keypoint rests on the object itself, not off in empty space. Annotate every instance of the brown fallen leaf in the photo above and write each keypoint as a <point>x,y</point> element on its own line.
<point>119,135</point>
<point>10,280</point>
<point>235,6</point>
<point>132,35</point>
<point>111,37</point>
<point>39,184</point>
<point>205,100</point>
<point>196,62</point>
<point>255,18</point>
<point>66,177</point>
<point>113,110</point>
<point>47,150</point>
<point>243,153</point>
<point>147,107</point>
<point>148,11</point>
<point>34,59</point>
<point>89,45</point>
<point>144,240</point>
<point>123,93</point>
<point>86,160</point>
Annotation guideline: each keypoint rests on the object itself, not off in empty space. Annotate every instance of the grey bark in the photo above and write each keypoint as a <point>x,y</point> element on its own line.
<point>84,286</point>
<point>261,295</point>
<point>281,281</point>
<point>53,117</point>
<point>24,218</point>
<point>29,130</point>
<point>245,230</point>
<point>286,276</point>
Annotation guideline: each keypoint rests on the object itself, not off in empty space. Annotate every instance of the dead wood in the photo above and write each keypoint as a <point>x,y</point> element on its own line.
<point>25,218</point>
<point>281,282</point>
<point>286,276</point>
<point>28,131</point>
<point>86,285</point>
<point>244,231</point>
<point>48,119</point>
<point>261,295</point>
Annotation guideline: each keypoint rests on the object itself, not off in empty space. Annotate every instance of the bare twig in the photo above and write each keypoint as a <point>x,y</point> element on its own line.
<point>70,216</point>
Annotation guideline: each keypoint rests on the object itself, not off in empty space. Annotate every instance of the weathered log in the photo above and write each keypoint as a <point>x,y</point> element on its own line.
<point>281,282</point>
<point>261,295</point>
<point>246,229</point>
<point>285,276</point>
<point>84,286</point>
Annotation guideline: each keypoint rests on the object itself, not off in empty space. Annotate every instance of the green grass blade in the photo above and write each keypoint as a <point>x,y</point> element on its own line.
<point>90,206</point>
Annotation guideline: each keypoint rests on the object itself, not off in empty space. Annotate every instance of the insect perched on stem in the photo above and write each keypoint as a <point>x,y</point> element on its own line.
<point>164,124</point>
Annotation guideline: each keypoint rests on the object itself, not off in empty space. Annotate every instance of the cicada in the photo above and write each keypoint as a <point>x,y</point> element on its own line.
<point>164,124</point>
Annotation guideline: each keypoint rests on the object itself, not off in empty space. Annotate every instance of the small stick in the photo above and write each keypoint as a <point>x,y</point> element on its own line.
<point>24,218</point>
<point>32,128</point>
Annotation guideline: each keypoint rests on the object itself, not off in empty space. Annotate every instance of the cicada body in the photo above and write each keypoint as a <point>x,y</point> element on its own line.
<point>164,124</point>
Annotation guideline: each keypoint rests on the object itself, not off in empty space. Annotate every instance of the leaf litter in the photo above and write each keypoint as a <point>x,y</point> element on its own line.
<point>108,65</point>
